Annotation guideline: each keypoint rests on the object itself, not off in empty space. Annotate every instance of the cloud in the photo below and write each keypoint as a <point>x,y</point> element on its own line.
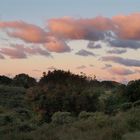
<point>107,66</point>
<point>20,51</point>
<point>30,33</point>
<point>24,31</point>
<point>128,27</point>
<point>36,50</point>
<point>125,26</point>
<point>56,45</point>
<point>132,44</point>
<point>126,30</point>
<point>81,67</point>
<point>123,61</point>
<point>84,53</point>
<point>72,28</point>
<point>93,45</point>
<point>117,51</point>
<point>13,53</point>
<point>121,71</point>
<point>1,56</point>
<point>137,71</point>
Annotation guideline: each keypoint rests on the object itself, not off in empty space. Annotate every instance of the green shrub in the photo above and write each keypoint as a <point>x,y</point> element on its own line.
<point>62,118</point>
<point>6,119</point>
<point>25,127</point>
<point>132,136</point>
<point>85,115</point>
<point>2,109</point>
<point>133,119</point>
<point>137,103</point>
<point>126,106</point>
<point>130,119</point>
<point>100,119</point>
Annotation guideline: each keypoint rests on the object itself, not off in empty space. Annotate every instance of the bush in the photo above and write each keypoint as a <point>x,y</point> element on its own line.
<point>25,127</point>
<point>2,109</point>
<point>137,103</point>
<point>23,112</point>
<point>129,119</point>
<point>85,115</point>
<point>62,118</point>
<point>100,119</point>
<point>132,136</point>
<point>6,119</point>
<point>133,119</point>
<point>126,106</point>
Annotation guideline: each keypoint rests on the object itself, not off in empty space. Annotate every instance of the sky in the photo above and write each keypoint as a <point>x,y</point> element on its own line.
<point>96,37</point>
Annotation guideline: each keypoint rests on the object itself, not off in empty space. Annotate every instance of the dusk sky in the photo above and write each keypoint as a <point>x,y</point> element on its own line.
<point>97,37</point>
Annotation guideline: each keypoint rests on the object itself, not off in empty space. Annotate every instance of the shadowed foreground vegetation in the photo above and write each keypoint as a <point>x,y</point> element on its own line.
<point>65,106</point>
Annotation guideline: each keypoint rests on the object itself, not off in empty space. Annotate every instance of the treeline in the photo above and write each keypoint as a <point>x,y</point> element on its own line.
<point>56,76</point>
<point>21,80</point>
<point>66,92</point>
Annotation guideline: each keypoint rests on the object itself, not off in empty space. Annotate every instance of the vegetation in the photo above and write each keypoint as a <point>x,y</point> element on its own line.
<point>65,106</point>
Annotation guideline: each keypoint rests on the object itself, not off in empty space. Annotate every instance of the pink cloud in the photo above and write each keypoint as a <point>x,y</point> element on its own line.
<point>20,51</point>
<point>72,28</point>
<point>121,71</point>
<point>128,27</point>
<point>125,26</point>
<point>26,32</point>
<point>54,44</point>
<point>34,34</point>
<point>13,53</point>
<point>1,56</point>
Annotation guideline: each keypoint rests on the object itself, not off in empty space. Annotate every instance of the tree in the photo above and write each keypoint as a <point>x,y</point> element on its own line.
<point>133,91</point>
<point>61,77</point>
<point>5,80</point>
<point>24,80</point>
